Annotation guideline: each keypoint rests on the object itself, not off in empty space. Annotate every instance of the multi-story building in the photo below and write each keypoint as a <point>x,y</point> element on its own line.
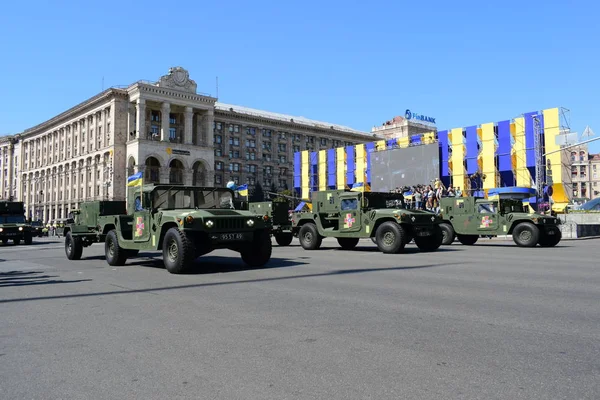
<point>585,172</point>
<point>401,127</point>
<point>165,129</point>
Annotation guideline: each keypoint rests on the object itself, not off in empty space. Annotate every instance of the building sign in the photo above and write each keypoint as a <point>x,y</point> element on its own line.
<point>178,152</point>
<point>410,115</point>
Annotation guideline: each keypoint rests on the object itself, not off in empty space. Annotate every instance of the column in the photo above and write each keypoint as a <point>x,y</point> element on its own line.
<point>164,131</point>
<point>77,183</point>
<point>208,127</point>
<point>94,178</point>
<point>141,119</point>
<point>188,128</point>
<point>11,160</point>
<point>130,123</point>
<point>2,172</point>
<point>105,128</point>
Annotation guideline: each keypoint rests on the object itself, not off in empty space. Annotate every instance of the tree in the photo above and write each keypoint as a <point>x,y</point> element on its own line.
<point>257,194</point>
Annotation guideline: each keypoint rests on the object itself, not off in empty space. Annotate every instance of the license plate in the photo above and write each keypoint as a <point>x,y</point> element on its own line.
<point>10,234</point>
<point>231,236</point>
<point>550,232</point>
<point>424,233</point>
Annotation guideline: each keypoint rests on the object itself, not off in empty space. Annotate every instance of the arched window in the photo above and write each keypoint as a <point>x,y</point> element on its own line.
<point>199,174</point>
<point>152,170</point>
<point>176,172</point>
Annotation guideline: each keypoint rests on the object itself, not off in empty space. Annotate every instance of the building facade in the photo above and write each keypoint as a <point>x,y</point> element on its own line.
<point>400,127</point>
<point>167,130</point>
<point>584,172</point>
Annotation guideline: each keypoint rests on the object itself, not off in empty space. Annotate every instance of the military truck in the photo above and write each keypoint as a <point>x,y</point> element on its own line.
<point>349,215</point>
<point>12,223</point>
<point>469,218</point>
<point>278,211</point>
<point>181,221</point>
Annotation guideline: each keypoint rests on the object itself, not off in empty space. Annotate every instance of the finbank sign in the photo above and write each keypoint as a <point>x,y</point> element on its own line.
<point>419,117</point>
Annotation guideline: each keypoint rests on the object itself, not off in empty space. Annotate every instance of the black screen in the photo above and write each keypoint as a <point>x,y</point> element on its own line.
<point>415,165</point>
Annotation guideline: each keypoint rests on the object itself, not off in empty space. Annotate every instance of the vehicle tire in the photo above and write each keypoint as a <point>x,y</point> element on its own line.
<point>178,251</point>
<point>526,234</point>
<point>430,243</point>
<point>73,247</point>
<point>16,242</point>
<point>27,238</point>
<point>550,240</point>
<point>284,239</point>
<point>309,237</point>
<point>115,254</point>
<point>467,240</point>
<point>448,233</point>
<point>374,239</point>
<point>348,243</point>
<point>258,253</point>
<point>390,237</point>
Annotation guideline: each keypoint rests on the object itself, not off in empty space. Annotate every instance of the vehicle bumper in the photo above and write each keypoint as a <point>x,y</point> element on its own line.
<point>550,229</point>
<point>420,231</point>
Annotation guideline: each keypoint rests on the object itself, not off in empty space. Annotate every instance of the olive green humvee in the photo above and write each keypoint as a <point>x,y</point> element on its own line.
<point>349,215</point>
<point>279,213</point>
<point>12,223</point>
<point>183,222</point>
<point>468,218</point>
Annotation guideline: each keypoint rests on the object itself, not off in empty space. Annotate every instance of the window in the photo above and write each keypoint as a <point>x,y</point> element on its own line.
<point>172,133</point>
<point>250,143</point>
<point>487,208</point>
<point>282,147</point>
<point>234,167</point>
<point>250,130</point>
<point>251,168</point>
<point>282,135</point>
<point>234,154</point>
<point>250,155</point>
<point>218,179</point>
<point>218,139</point>
<point>219,166</point>
<point>310,139</point>
<point>230,128</point>
<point>297,138</point>
<point>154,130</point>
<point>251,180</point>
<point>282,159</point>
<point>219,126</point>
<point>296,149</point>
<point>155,116</point>
<point>323,141</point>
<point>282,171</point>
<point>266,157</point>
<point>267,170</point>
<point>234,141</point>
<point>349,204</point>
<point>283,183</point>
<point>266,132</point>
<point>236,128</point>
<point>218,152</point>
<point>266,146</point>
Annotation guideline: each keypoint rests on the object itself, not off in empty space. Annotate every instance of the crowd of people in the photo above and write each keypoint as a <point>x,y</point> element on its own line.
<point>426,197</point>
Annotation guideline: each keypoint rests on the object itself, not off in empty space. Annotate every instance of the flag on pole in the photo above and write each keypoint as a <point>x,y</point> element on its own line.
<point>135,180</point>
<point>243,190</point>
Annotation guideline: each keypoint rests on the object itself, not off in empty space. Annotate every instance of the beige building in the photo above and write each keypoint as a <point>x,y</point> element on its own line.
<point>585,172</point>
<point>400,127</point>
<point>167,130</point>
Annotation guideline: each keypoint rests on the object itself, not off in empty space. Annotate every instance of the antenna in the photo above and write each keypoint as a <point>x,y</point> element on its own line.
<point>217,87</point>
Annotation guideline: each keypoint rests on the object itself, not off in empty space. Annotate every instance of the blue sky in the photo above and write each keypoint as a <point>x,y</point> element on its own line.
<point>353,63</point>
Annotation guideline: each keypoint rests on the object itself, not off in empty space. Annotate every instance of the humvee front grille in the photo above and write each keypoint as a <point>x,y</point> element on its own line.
<point>230,223</point>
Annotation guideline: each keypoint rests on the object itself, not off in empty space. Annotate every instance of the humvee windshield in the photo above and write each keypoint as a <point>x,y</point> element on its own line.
<point>509,206</point>
<point>12,219</point>
<point>176,198</point>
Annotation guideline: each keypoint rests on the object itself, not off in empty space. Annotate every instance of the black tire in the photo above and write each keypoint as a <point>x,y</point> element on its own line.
<point>28,238</point>
<point>259,252</point>
<point>73,247</point>
<point>550,240</point>
<point>348,243</point>
<point>178,251</point>
<point>16,242</point>
<point>430,243</point>
<point>284,239</point>
<point>309,237</point>
<point>526,234</point>
<point>390,237</point>
<point>467,240</point>
<point>374,239</point>
<point>448,234</point>
<point>115,254</point>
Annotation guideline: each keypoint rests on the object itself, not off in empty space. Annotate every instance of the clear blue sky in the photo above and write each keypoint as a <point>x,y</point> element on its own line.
<point>352,63</point>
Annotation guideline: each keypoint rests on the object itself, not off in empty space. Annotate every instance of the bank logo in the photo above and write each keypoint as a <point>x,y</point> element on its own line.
<point>409,115</point>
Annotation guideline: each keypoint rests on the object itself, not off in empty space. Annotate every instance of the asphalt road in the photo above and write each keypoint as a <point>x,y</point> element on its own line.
<point>491,321</point>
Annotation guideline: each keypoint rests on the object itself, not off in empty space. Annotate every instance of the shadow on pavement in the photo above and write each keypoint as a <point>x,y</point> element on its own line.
<point>30,278</point>
<point>210,284</point>
<point>374,249</point>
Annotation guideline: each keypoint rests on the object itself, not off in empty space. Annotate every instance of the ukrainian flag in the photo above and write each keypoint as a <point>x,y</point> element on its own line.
<point>360,187</point>
<point>243,190</point>
<point>135,180</point>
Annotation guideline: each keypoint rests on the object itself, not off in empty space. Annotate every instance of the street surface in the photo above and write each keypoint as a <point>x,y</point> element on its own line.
<point>491,321</point>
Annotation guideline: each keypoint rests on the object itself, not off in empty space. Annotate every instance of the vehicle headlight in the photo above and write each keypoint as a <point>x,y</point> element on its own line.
<point>209,223</point>
<point>1,229</point>
<point>250,222</point>
<point>20,228</point>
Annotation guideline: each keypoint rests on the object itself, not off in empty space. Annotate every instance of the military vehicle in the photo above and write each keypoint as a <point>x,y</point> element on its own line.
<point>278,211</point>
<point>37,228</point>
<point>12,223</point>
<point>181,221</point>
<point>469,218</point>
<point>350,215</point>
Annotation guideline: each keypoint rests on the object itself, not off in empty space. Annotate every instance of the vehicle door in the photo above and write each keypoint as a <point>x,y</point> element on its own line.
<point>141,219</point>
<point>487,214</point>
<point>349,219</point>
